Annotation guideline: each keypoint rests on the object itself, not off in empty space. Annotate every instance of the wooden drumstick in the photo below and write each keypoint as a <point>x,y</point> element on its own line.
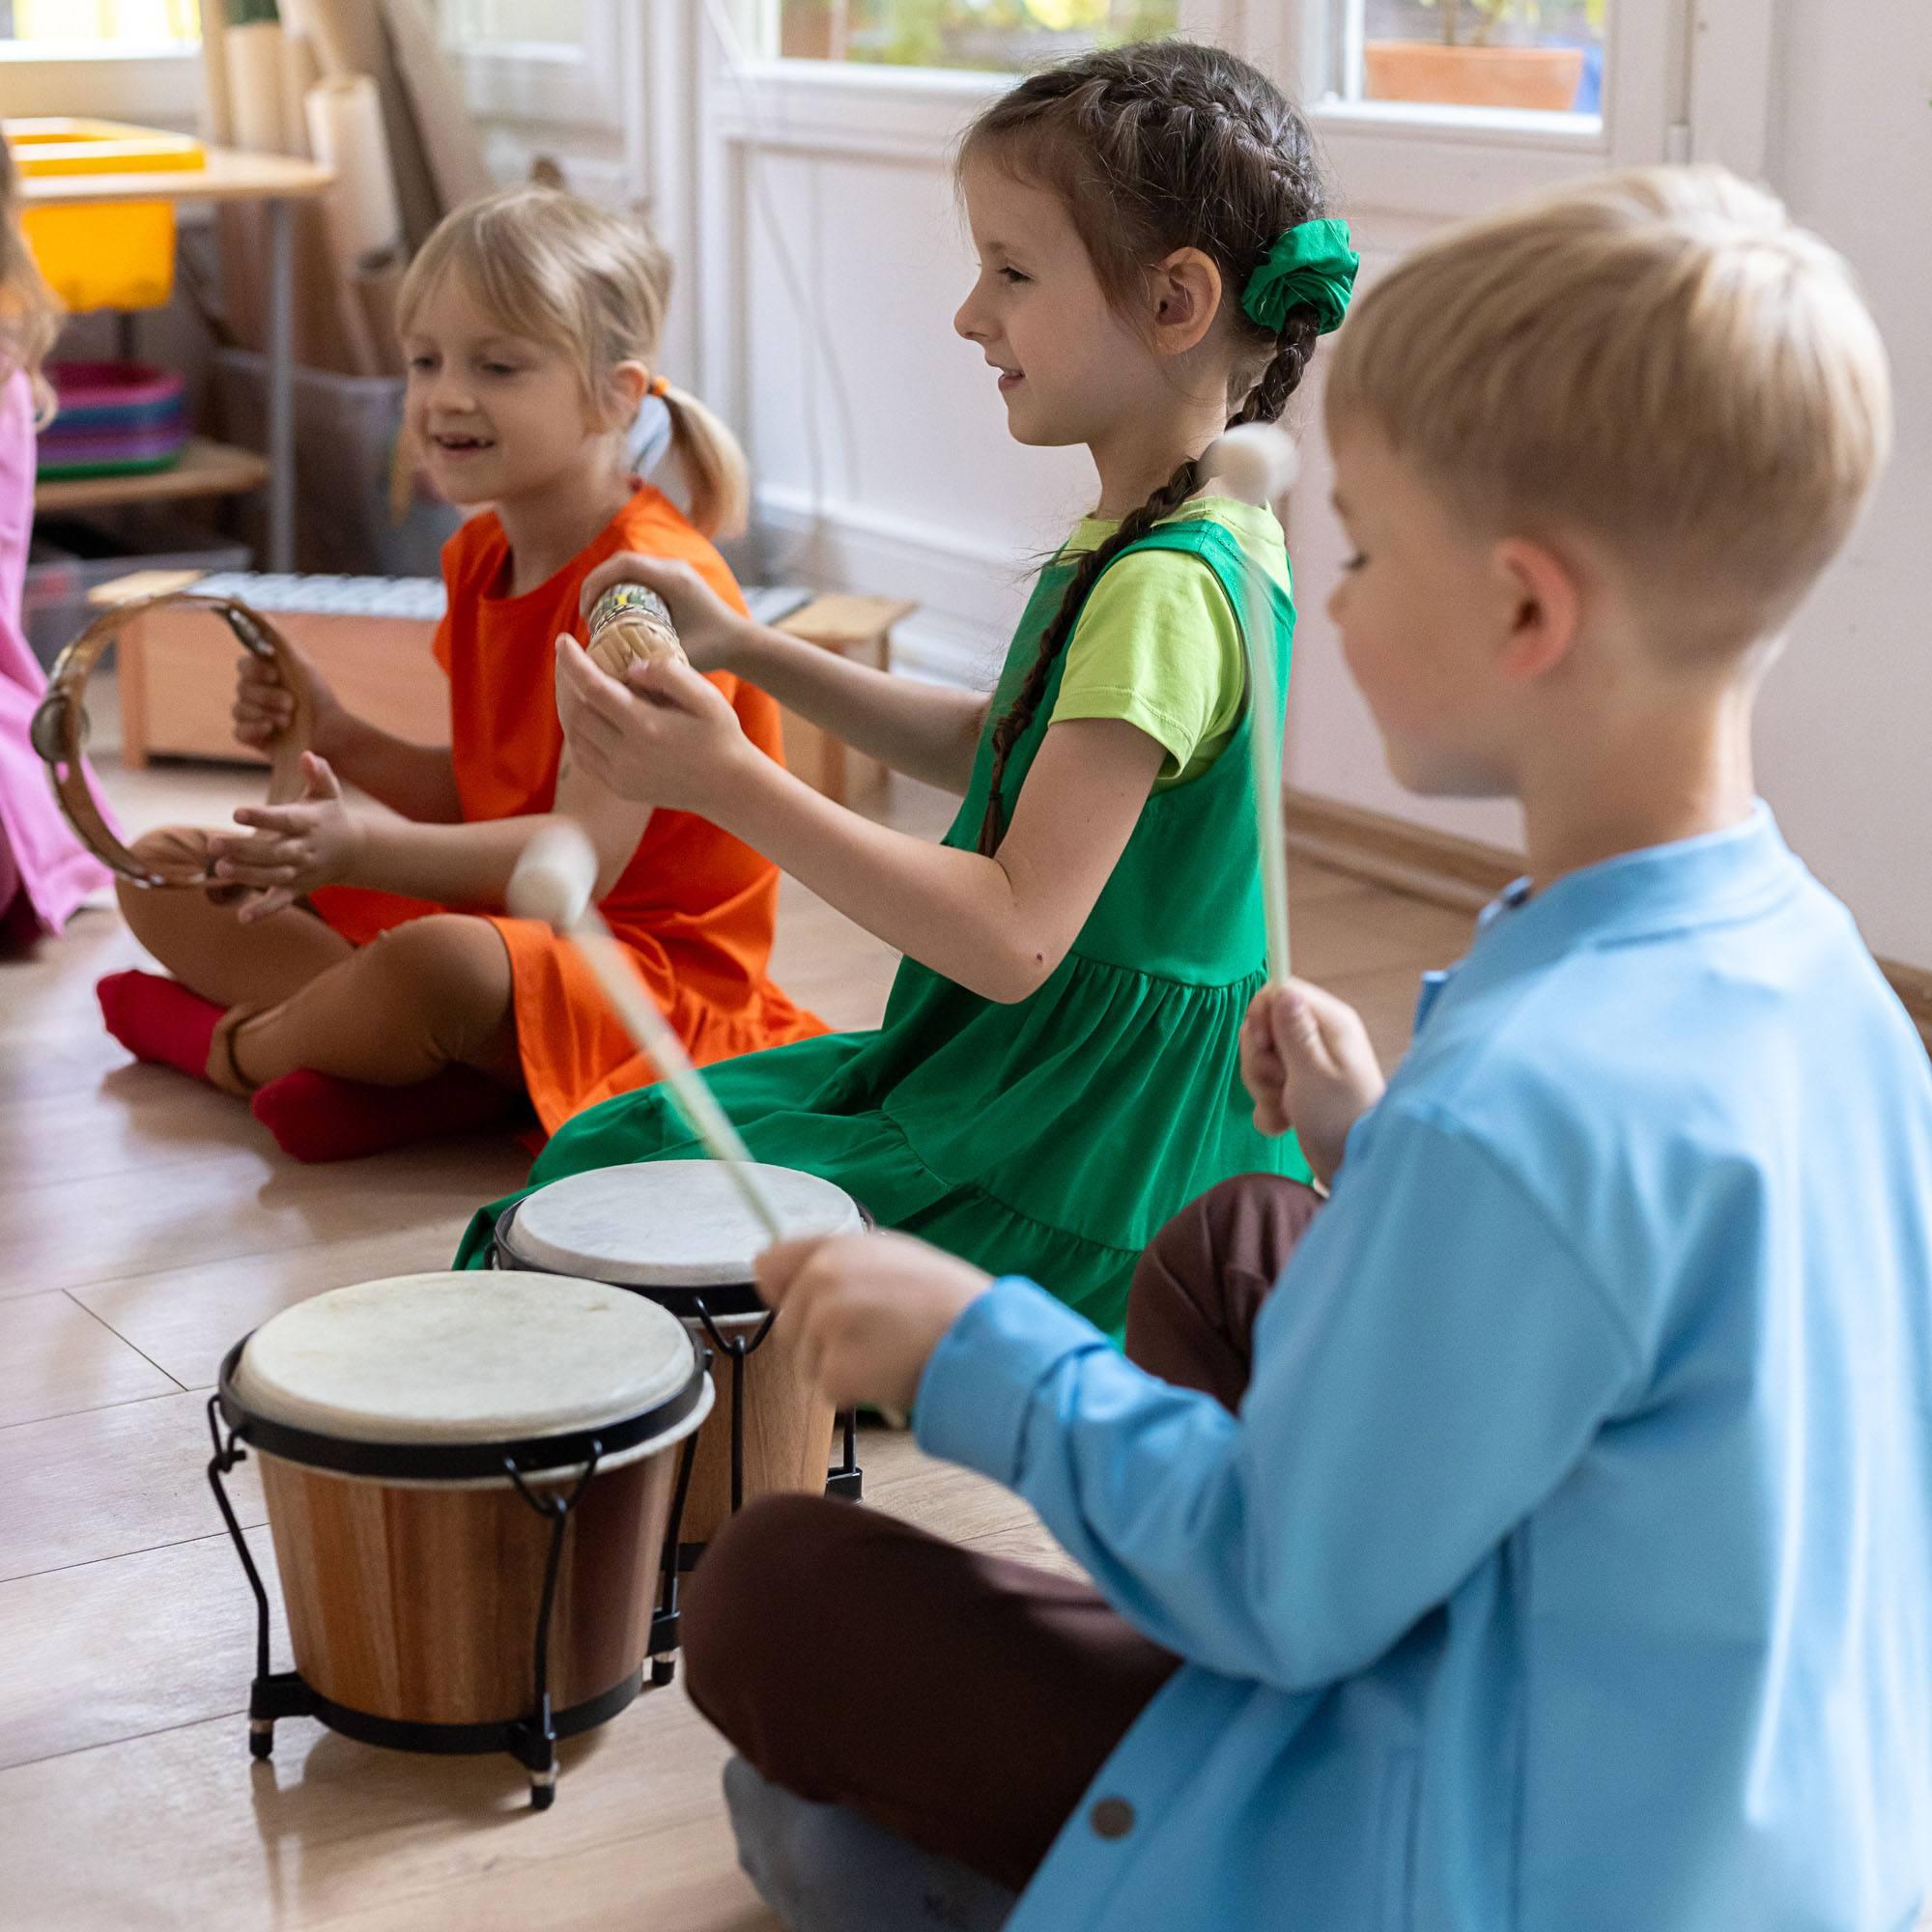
<point>553,881</point>
<point>1257,462</point>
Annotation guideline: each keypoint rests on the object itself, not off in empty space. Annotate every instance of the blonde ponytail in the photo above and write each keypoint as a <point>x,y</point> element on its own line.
<point>716,477</point>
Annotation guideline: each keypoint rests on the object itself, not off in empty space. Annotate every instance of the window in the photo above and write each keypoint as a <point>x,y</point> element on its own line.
<point>100,23</point>
<point>998,36</point>
<point>1526,56</point>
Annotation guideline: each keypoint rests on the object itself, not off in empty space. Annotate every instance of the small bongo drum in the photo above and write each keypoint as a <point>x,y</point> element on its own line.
<point>473,1484</point>
<point>678,1232</point>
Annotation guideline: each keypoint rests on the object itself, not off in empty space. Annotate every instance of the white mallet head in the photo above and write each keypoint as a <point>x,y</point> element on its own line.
<point>554,878</point>
<point>1257,462</point>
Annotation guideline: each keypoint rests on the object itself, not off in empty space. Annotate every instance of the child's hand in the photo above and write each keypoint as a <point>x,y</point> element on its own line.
<point>264,706</point>
<point>666,736</point>
<point>867,1310</point>
<point>1308,1065</point>
<point>291,848</point>
<point>708,627</point>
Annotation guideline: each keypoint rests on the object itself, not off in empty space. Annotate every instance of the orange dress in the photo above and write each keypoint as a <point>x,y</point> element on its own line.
<point>695,907</point>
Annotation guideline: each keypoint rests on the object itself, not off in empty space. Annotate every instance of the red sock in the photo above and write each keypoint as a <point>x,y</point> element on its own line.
<point>160,1020</point>
<point>318,1117</point>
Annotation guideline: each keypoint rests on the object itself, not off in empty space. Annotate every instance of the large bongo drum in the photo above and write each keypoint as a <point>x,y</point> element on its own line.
<point>473,1484</point>
<point>679,1233</point>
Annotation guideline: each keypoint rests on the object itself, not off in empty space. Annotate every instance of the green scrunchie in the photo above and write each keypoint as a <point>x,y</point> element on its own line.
<point>1310,265</point>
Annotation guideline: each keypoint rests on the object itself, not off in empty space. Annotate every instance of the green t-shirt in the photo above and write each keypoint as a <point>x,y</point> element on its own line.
<point>1158,645</point>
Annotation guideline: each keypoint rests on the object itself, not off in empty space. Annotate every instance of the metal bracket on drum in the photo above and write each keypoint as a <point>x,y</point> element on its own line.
<point>736,1349</point>
<point>847,1482</point>
<point>664,1624</point>
<point>533,1739</point>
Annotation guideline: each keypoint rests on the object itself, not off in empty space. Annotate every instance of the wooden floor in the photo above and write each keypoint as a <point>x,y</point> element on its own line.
<point>147,1224</point>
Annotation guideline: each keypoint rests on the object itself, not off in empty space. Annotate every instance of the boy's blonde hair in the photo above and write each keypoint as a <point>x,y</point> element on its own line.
<point>30,312</point>
<point>1659,360</point>
<point>559,270</point>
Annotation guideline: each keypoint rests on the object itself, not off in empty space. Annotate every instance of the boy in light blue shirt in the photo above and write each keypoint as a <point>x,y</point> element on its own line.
<point>1550,1551</point>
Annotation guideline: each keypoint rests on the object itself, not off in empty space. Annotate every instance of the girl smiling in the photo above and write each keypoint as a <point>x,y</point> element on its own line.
<point>1057,1072</point>
<point>369,990</point>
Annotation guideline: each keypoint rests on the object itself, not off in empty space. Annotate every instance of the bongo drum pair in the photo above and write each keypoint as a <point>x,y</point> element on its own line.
<point>474,1486</point>
<point>482,1488</point>
<point>680,1233</point>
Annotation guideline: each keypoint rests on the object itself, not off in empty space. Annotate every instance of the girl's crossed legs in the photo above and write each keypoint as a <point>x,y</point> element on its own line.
<point>431,994</point>
<point>961,1701</point>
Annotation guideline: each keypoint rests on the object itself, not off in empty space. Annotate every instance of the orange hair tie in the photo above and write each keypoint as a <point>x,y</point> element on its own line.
<point>659,386</point>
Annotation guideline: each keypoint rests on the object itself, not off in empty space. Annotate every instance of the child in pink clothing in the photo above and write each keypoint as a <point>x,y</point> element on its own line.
<point>43,872</point>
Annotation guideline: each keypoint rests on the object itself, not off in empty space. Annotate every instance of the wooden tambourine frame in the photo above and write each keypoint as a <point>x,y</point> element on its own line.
<point>60,725</point>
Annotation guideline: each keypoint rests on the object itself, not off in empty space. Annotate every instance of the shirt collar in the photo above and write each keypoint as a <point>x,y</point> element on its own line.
<point>1713,879</point>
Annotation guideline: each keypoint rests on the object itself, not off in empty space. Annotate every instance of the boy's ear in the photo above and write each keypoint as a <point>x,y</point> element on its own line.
<point>1543,604</point>
<point>1186,291</point>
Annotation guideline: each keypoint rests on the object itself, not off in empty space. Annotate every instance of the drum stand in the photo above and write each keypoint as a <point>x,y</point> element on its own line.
<point>532,1740</point>
<point>847,1482</point>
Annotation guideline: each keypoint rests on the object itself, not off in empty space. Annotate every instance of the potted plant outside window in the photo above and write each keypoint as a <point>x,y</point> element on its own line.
<point>1470,67</point>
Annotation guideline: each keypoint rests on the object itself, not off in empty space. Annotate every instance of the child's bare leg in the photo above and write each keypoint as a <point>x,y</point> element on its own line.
<point>433,994</point>
<point>199,939</point>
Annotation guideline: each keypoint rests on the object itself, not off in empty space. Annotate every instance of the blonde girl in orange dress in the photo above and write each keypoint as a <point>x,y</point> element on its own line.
<point>353,972</point>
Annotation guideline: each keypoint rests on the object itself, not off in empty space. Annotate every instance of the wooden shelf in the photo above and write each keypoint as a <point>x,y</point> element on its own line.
<point>205,469</point>
<point>229,176</point>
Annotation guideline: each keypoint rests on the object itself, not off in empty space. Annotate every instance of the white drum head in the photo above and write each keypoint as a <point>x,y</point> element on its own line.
<point>670,1223</point>
<point>463,1357</point>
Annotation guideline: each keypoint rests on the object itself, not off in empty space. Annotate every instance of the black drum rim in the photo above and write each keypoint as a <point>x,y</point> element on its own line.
<point>562,1451</point>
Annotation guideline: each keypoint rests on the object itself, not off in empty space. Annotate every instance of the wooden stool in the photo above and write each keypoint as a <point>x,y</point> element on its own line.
<point>860,628</point>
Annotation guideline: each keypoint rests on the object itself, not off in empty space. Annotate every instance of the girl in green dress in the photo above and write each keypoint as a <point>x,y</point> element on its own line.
<point>1057,1072</point>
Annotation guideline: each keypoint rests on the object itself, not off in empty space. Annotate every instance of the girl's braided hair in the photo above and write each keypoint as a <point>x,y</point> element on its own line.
<point>1154,147</point>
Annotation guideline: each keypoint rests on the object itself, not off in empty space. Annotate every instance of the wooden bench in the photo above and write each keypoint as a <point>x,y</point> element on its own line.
<point>860,628</point>
<point>177,680</point>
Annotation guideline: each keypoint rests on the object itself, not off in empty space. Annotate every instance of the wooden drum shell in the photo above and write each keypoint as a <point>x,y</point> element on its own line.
<point>788,1428</point>
<point>416,1601</point>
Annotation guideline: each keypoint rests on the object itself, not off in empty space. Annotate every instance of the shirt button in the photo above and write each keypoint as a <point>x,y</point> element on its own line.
<point>1112,1818</point>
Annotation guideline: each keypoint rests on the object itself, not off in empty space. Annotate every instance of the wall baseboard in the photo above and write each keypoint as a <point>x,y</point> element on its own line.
<point>970,591</point>
<point>1466,874</point>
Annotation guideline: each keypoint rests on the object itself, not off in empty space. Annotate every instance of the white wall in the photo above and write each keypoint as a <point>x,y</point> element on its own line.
<point>857,400</point>
<point>1846,733</point>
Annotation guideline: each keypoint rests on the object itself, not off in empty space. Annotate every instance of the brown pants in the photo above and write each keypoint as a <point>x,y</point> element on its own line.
<point>964,1701</point>
<point>433,993</point>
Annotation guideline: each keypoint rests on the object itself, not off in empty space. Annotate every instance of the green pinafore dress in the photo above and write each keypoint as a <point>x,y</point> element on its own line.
<point>1053,1136</point>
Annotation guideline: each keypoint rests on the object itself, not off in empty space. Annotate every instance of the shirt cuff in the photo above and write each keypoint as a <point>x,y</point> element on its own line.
<point>974,1396</point>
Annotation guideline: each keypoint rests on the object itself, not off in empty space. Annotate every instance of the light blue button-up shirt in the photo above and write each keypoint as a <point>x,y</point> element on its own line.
<point>1569,1566</point>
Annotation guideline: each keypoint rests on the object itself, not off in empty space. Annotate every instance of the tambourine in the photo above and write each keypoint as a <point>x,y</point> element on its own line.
<point>59,729</point>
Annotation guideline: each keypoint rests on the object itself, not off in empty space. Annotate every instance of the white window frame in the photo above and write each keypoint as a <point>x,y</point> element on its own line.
<point>553,81</point>
<point>1660,102</point>
<point>1443,162</point>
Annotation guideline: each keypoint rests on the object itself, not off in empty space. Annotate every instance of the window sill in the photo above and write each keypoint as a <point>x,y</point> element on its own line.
<point>954,82</point>
<point>38,53</point>
<point>1421,121</point>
